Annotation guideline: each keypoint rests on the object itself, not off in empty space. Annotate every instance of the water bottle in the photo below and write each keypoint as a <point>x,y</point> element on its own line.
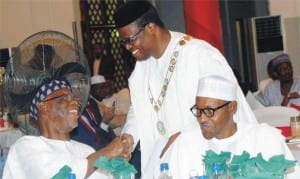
<point>217,172</point>
<point>164,171</point>
<point>71,176</point>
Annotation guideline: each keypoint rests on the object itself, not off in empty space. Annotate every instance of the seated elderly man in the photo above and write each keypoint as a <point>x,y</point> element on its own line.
<point>216,104</point>
<point>57,113</point>
<point>285,90</point>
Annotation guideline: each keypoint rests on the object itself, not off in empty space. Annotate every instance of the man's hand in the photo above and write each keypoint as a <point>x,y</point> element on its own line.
<point>114,149</point>
<point>118,121</point>
<point>127,141</point>
<point>285,100</point>
<point>108,113</point>
<point>293,95</point>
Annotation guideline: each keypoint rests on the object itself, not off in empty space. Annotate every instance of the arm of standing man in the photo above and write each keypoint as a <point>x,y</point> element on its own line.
<point>130,130</point>
<point>115,149</point>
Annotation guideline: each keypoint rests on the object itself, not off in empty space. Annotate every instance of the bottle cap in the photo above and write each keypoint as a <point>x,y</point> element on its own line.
<point>71,176</point>
<point>216,168</point>
<point>164,166</point>
<point>203,177</point>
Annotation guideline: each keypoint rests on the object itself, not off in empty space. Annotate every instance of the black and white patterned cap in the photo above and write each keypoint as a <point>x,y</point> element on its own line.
<point>47,88</point>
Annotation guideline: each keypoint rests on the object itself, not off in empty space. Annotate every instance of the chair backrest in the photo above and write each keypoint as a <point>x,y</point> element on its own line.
<point>252,101</point>
<point>264,83</point>
<point>276,116</point>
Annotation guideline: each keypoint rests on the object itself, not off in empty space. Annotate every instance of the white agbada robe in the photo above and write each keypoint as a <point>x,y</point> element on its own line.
<point>186,153</point>
<point>36,157</point>
<point>196,59</point>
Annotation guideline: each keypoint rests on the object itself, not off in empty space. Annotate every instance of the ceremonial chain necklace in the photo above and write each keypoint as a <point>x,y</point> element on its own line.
<point>157,104</point>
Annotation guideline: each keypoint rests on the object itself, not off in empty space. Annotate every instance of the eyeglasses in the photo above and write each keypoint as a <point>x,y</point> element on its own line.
<point>131,38</point>
<point>209,112</point>
<point>64,96</point>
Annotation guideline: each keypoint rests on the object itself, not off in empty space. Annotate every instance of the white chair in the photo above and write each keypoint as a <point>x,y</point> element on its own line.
<point>252,101</point>
<point>264,83</point>
<point>276,116</point>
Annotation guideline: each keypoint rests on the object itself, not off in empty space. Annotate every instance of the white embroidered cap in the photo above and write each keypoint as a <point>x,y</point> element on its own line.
<point>217,87</point>
<point>97,79</point>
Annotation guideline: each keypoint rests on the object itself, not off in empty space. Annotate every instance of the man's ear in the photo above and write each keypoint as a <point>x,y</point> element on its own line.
<point>150,26</point>
<point>42,107</point>
<point>233,107</point>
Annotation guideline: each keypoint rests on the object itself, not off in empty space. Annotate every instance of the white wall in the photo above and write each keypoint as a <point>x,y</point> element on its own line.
<point>290,13</point>
<point>22,18</point>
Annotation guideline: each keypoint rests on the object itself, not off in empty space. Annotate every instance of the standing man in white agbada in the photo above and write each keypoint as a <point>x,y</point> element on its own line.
<point>164,82</point>
<point>216,105</point>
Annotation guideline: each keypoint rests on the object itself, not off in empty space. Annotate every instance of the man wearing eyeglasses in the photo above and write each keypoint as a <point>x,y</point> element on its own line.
<point>57,112</point>
<point>216,104</point>
<point>164,82</point>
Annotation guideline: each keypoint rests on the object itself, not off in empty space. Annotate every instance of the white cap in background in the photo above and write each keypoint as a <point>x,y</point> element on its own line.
<point>97,79</point>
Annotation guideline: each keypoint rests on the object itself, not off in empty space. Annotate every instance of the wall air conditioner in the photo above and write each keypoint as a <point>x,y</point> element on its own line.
<point>267,42</point>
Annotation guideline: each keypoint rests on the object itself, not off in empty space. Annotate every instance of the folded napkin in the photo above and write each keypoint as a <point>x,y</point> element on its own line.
<point>242,166</point>
<point>211,158</point>
<point>276,165</point>
<point>63,173</point>
<point>119,167</point>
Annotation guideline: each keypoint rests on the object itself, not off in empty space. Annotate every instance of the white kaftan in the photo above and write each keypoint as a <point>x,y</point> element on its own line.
<point>196,59</point>
<point>186,153</point>
<point>33,157</point>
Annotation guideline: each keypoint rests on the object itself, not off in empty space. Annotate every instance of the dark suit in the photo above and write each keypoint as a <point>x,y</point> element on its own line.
<point>83,133</point>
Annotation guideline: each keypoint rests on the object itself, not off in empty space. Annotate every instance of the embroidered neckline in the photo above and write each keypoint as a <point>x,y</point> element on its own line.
<point>157,104</point>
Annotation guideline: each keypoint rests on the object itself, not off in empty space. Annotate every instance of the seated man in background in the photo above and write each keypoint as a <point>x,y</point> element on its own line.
<point>285,90</point>
<point>110,102</point>
<point>57,112</point>
<point>216,104</point>
<point>272,76</point>
<point>93,127</point>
